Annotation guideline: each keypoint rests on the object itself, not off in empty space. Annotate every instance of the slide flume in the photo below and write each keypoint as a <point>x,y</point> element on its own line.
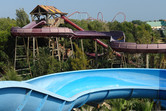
<point>81,29</point>
<point>67,90</point>
<point>117,38</point>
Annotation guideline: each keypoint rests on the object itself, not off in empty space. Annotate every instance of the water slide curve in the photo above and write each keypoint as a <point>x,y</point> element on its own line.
<point>67,90</point>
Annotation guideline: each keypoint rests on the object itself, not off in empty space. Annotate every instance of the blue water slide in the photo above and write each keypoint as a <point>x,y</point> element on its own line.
<point>67,90</point>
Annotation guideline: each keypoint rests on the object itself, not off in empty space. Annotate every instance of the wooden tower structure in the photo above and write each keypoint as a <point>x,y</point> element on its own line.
<point>52,16</point>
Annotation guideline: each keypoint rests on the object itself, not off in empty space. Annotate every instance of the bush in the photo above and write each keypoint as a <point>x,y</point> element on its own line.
<point>11,74</point>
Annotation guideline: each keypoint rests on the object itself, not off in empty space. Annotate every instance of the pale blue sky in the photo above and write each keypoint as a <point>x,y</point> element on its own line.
<point>134,9</point>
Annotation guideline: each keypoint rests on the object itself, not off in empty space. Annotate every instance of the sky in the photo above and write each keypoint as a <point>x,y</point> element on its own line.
<point>144,10</point>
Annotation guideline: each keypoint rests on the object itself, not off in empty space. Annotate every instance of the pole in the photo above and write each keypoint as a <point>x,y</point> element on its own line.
<point>15,54</point>
<point>147,60</point>
<point>34,56</point>
<point>57,41</point>
<point>96,53</point>
<point>82,47</point>
<point>37,48</point>
<point>28,49</point>
<point>72,46</point>
<point>53,45</point>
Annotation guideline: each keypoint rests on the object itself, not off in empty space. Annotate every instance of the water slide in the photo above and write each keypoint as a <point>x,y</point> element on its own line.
<point>81,29</point>
<point>122,46</point>
<point>63,32</point>
<point>117,38</point>
<point>138,48</point>
<point>67,90</point>
<point>34,24</point>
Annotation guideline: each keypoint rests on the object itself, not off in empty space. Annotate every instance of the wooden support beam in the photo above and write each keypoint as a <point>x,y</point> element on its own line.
<point>15,54</point>
<point>82,47</point>
<point>27,50</point>
<point>71,45</point>
<point>53,47</point>
<point>63,52</point>
<point>96,54</point>
<point>59,55</point>
<point>37,48</point>
<point>34,55</point>
<point>147,60</point>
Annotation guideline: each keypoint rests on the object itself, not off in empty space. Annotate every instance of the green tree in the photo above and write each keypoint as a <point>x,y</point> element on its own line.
<point>126,27</point>
<point>22,18</point>
<point>118,104</point>
<point>11,74</point>
<point>5,26</point>
<point>98,26</point>
<point>41,65</point>
<point>143,104</point>
<point>6,41</point>
<point>143,34</point>
<point>79,62</point>
<point>138,22</point>
<point>54,65</point>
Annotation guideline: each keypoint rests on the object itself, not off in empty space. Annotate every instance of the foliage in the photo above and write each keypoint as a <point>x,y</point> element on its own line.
<point>54,65</point>
<point>98,26</point>
<point>143,105</point>
<point>79,62</point>
<point>11,74</point>
<point>6,24</point>
<point>132,104</point>
<point>118,104</point>
<point>5,48</point>
<point>5,27</point>
<point>22,18</point>
<point>41,65</point>
<point>135,31</point>
<point>47,64</point>
<point>143,35</point>
<point>3,59</point>
<point>138,22</point>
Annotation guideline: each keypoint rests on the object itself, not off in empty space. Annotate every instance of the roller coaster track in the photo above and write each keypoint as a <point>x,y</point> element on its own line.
<point>88,15</point>
<point>119,14</point>
<point>77,12</point>
<point>98,15</point>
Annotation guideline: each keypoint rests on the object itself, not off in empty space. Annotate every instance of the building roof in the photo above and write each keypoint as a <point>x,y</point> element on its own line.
<point>155,24</point>
<point>43,9</point>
